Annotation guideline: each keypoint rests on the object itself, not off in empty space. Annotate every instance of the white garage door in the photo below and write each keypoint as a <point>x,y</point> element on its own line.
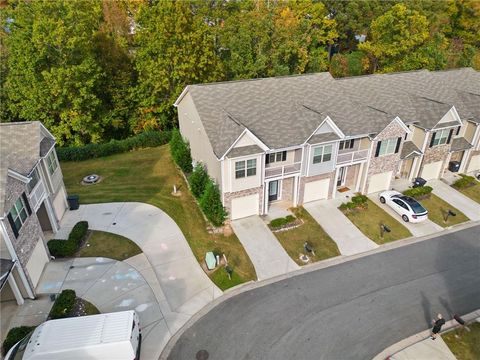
<point>316,190</point>
<point>474,164</point>
<point>379,182</point>
<point>37,261</point>
<point>244,206</point>
<point>59,203</point>
<point>431,171</point>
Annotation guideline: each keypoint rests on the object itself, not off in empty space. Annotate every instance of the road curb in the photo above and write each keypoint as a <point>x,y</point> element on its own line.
<point>421,336</point>
<point>304,270</point>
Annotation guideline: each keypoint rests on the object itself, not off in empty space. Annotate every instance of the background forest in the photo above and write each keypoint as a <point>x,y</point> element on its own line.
<point>96,70</point>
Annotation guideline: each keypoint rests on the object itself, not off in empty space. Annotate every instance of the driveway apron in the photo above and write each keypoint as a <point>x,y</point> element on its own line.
<point>267,255</point>
<point>349,239</point>
<point>423,228</point>
<point>463,203</point>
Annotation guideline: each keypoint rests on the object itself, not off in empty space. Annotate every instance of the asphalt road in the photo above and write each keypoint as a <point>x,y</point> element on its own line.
<point>349,311</point>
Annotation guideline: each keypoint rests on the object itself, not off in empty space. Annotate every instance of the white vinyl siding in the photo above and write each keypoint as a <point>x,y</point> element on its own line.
<point>322,154</point>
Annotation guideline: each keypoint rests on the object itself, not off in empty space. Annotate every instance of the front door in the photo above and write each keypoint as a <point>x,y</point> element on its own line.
<point>405,168</point>
<point>273,190</point>
<point>341,176</point>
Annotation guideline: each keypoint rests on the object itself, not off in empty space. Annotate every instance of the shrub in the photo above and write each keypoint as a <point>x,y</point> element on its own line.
<point>63,306</point>
<point>180,151</point>
<point>464,182</point>
<point>15,335</point>
<point>277,223</point>
<point>211,204</point>
<point>66,248</point>
<point>198,180</point>
<point>418,192</point>
<point>358,201</point>
<point>143,140</point>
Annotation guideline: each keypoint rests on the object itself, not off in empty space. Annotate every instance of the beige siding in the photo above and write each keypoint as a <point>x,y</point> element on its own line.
<point>245,140</point>
<point>418,136</point>
<point>192,129</point>
<point>448,117</point>
<point>470,132</point>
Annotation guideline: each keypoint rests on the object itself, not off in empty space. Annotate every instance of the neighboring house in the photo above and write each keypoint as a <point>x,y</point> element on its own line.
<point>32,201</point>
<point>302,138</point>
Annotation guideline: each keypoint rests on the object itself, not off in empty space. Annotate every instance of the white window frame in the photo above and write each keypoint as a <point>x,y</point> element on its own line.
<point>345,144</point>
<point>322,153</point>
<point>34,180</point>
<point>52,163</point>
<point>245,168</point>
<point>441,137</point>
<point>276,157</point>
<point>16,212</point>
<point>387,147</point>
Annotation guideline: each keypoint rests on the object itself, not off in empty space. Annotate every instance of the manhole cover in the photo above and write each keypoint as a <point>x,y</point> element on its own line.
<point>202,355</point>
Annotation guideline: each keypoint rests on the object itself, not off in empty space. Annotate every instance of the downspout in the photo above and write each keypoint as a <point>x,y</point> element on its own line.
<point>15,258</point>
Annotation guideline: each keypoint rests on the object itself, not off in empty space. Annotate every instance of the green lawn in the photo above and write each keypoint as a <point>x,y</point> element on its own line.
<point>438,207</point>
<point>473,192</point>
<point>293,240</point>
<point>148,175</point>
<point>369,220</point>
<point>105,244</point>
<point>464,345</point>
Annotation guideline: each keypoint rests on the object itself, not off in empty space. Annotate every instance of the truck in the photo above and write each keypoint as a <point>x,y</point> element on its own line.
<point>104,336</point>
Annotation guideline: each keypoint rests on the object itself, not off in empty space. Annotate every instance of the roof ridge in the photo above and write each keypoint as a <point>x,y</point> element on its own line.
<point>382,74</point>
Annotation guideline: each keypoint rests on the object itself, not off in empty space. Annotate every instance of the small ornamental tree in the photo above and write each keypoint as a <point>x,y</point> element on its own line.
<point>180,151</point>
<point>198,180</point>
<point>211,204</point>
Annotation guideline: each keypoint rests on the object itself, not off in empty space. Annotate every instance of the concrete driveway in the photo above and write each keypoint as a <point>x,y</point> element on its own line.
<point>463,203</point>
<point>348,238</point>
<point>111,286</point>
<point>267,255</point>
<point>183,286</point>
<point>423,228</point>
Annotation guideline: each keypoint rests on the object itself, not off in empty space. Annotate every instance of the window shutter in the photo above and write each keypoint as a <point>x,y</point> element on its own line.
<point>399,140</point>
<point>351,143</point>
<point>12,225</point>
<point>27,204</point>
<point>450,136</point>
<point>284,156</point>
<point>432,139</point>
<point>458,130</point>
<point>267,158</point>
<point>377,150</point>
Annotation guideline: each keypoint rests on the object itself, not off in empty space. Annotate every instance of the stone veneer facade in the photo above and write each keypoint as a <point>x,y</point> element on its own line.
<point>31,231</point>
<point>304,180</point>
<point>227,198</point>
<point>435,153</point>
<point>385,163</point>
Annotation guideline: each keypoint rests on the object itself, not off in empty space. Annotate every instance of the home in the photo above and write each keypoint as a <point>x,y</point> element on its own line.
<point>310,137</point>
<point>32,202</point>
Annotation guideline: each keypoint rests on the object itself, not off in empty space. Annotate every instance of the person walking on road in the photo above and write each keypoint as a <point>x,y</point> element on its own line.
<point>437,326</point>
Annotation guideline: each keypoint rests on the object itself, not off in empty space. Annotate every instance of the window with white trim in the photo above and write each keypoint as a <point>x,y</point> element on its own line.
<point>276,157</point>
<point>34,179</point>
<point>245,168</point>
<point>52,162</point>
<point>346,144</point>
<point>387,147</point>
<point>19,214</point>
<point>440,137</point>
<point>322,154</point>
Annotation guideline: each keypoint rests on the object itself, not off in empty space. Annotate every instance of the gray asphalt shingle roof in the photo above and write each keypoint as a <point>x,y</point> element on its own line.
<point>409,150</point>
<point>245,150</point>
<point>285,111</point>
<point>460,143</point>
<point>320,138</point>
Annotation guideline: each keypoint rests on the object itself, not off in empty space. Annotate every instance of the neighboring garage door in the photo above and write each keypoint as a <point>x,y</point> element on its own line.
<point>316,190</point>
<point>379,182</point>
<point>432,171</point>
<point>474,164</point>
<point>244,206</point>
<point>37,261</point>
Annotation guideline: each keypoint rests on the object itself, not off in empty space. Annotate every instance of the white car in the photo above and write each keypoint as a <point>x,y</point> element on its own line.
<point>408,208</point>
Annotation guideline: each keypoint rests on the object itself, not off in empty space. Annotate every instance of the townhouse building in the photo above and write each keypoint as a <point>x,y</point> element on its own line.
<point>310,137</point>
<point>32,202</point>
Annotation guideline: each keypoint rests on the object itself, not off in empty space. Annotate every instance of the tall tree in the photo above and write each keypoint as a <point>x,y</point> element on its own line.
<point>174,48</point>
<point>52,72</point>
<point>399,31</point>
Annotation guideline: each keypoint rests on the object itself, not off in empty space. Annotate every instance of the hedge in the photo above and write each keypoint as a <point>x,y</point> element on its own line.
<point>66,248</point>
<point>358,201</point>
<point>198,180</point>
<point>180,151</point>
<point>277,223</point>
<point>418,191</point>
<point>211,204</point>
<point>143,140</point>
<point>15,335</point>
<point>465,181</point>
<point>63,306</point>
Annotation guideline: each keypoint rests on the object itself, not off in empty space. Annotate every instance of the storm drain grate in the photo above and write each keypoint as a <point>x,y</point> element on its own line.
<point>202,355</point>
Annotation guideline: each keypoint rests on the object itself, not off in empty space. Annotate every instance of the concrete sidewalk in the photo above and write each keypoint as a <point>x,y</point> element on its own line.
<point>423,228</point>
<point>349,239</point>
<point>463,203</point>
<point>426,349</point>
<point>268,257</point>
